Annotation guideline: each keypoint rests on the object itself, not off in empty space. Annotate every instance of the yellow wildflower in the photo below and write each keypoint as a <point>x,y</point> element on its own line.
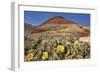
<point>60,48</point>
<point>45,55</point>
<point>29,56</point>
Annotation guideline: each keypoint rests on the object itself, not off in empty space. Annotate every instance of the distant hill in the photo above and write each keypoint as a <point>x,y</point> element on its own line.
<point>58,26</point>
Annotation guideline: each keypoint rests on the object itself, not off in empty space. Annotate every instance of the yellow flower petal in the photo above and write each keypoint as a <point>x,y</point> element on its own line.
<point>29,56</point>
<point>45,55</point>
<point>60,48</point>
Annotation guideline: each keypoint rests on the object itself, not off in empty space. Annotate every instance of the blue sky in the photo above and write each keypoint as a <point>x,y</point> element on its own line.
<point>36,17</point>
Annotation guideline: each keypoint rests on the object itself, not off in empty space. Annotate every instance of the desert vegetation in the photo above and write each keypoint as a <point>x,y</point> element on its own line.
<point>56,48</point>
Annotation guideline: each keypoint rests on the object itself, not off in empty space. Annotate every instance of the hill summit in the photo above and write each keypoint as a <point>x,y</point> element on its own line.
<point>58,20</point>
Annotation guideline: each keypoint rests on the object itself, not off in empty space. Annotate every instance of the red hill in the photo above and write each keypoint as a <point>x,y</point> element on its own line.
<point>58,20</point>
<point>58,25</point>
